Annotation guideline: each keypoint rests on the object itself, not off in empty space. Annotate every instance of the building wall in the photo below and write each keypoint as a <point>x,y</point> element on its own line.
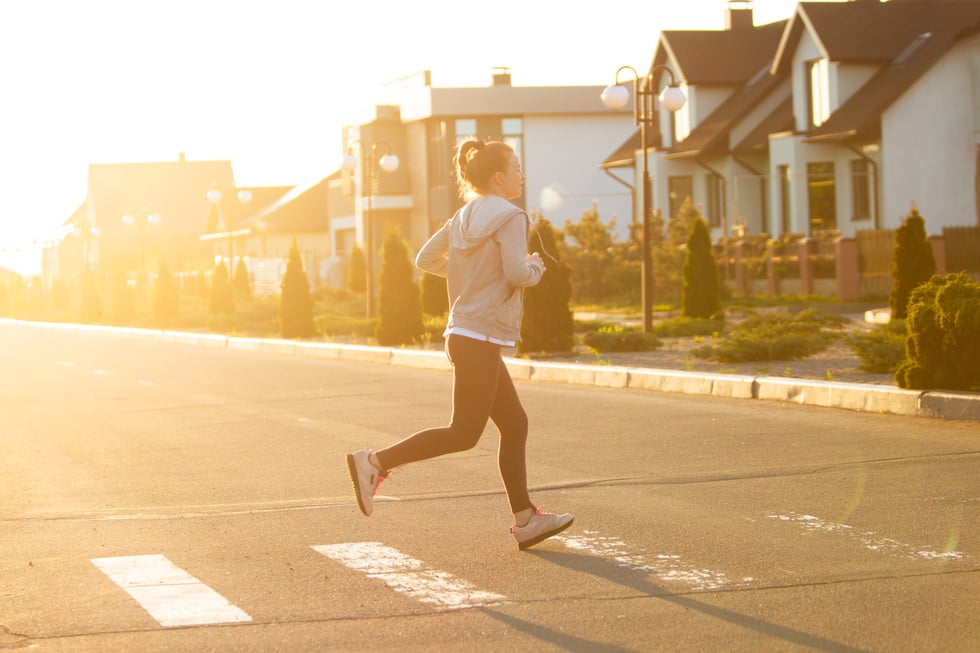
<point>563,178</point>
<point>930,145</point>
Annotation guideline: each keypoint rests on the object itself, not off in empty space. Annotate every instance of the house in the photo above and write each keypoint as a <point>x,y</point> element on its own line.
<point>556,131</point>
<point>135,213</point>
<point>827,124</point>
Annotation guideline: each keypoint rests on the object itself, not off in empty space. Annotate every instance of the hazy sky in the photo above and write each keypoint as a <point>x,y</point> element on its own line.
<point>269,84</point>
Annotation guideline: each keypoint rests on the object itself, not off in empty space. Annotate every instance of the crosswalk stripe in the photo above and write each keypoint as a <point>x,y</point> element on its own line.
<point>667,567</point>
<point>171,595</point>
<point>407,575</point>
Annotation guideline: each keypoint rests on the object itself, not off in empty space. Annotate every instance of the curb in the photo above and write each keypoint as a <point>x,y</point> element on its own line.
<point>937,404</point>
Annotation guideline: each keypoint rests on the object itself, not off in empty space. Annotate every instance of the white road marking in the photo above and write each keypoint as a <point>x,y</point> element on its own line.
<point>171,595</point>
<point>409,576</point>
<point>868,539</point>
<point>667,567</point>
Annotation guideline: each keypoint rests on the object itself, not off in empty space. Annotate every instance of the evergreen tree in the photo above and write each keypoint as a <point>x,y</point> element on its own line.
<point>700,294</point>
<point>435,296</point>
<point>242,284</point>
<point>222,297</point>
<point>91,309</point>
<point>123,305</point>
<point>668,251</point>
<point>547,323</point>
<point>399,308</point>
<point>4,300</point>
<point>357,271</point>
<point>913,262</point>
<point>166,298</point>
<point>295,300</point>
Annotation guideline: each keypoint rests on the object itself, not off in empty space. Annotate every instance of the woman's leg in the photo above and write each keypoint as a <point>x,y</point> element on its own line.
<point>510,418</point>
<point>475,379</point>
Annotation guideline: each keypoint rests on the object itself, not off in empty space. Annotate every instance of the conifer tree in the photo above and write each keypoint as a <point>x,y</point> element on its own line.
<point>295,300</point>
<point>242,284</point>
<point>913,262</point>
<point>166,298</point>
<point>222,297</point>
<point>4,299</point>
<point>357,271</point>
<point>547,323</point>
<point>700,294</point>
<point>435,296</point>
<point>91,308</point>
<point>399,308</point>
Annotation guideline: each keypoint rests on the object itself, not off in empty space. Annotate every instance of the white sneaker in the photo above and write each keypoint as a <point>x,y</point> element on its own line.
<point>540,526</point>
<point>365,478</point>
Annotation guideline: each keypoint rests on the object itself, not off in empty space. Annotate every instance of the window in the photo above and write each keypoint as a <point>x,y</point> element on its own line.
<point>680,189</point>
<point>860,198</point>
<point>818,92</point>
<point>785,207</point>
<point>821,194</point>
<point>715,194</point>
<point>465,129</point>
<point>512,133</point>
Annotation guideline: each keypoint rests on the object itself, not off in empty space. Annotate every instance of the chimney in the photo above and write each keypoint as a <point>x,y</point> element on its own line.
<point>738,15</point>
<point>501,75</point>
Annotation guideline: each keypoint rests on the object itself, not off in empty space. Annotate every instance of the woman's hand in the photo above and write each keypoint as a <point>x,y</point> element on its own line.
<point>534,260</point>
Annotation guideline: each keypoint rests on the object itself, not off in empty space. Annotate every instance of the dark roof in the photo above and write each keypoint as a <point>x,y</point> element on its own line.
<point>925,31</point>
<point>303,209</point>
<point>174,190</point>
<point>625,155</point>
<point>720,58</point>
<point>780,120</point>
<point>711,134</point>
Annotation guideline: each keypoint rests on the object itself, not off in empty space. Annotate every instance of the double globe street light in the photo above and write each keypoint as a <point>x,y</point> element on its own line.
<point>387,162</point>
<point>645,115</point>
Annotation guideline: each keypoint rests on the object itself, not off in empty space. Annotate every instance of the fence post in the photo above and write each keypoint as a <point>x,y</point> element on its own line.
<point>806,267</point>
<point>939,252</point>
<point>772,278</point>
<point>741,274</point>
<point>847,269</point>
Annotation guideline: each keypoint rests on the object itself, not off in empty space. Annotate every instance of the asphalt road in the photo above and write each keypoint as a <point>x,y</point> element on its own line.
<point>159,496</point>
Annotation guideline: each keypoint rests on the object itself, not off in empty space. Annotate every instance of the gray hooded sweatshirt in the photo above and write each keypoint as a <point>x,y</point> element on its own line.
<point>482,251</point>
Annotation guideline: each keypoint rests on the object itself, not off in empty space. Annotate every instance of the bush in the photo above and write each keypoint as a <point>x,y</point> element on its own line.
<point>700,294</point>
<point>942,347</point>
<point>617,338</point>
<point>776,336</point>
<point>547,323</point>
<point>241,282</point>
<point>221,301</point>
<point>295,302</point>
<point>435,297</point>
<point>399,308</point>
<point>684,327</point>
<point>166,299</point>
<point>357,271</point>
<point>913,263</point>
<point>881,350</point>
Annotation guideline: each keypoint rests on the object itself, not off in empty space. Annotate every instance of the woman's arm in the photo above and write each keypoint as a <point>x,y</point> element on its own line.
<point>434,255</point>
<point>520,268</point>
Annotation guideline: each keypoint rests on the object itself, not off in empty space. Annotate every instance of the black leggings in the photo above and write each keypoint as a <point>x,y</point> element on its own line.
<point>482,389</point>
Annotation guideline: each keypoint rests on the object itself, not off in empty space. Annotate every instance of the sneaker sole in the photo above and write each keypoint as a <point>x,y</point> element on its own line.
<point>352,472</point>
<point>543,536</point>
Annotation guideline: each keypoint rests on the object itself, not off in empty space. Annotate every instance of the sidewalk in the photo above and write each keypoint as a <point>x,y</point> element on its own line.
<point>832,394</point>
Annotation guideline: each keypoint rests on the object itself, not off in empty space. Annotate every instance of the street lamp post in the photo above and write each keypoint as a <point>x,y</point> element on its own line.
<point>387,162</point>
<point>644,114</point>
<point>244,197</point>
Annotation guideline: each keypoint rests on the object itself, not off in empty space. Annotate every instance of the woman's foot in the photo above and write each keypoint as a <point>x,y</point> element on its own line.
<point>539,527</point>
<point>365,478</point>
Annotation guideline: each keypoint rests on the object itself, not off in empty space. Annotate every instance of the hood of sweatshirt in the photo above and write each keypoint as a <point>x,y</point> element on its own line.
<point>479,220</point>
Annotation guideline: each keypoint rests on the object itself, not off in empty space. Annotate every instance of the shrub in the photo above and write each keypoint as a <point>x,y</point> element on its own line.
<point>700,294</point>
<point>683,327</point>
<point>435,297</point>
<point>881,350</point>
<point>942,347</point>
<point>547,323</point>
<point>221,301</point>
<point>91,308</point>
<point>399,308</point>
<point>912,262</point>
<point>166,299</point>
<point>295,301</point>
<point>357,271</point>
<point>617,338</point>
<point>775,336</point>
<point>241,282</point>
